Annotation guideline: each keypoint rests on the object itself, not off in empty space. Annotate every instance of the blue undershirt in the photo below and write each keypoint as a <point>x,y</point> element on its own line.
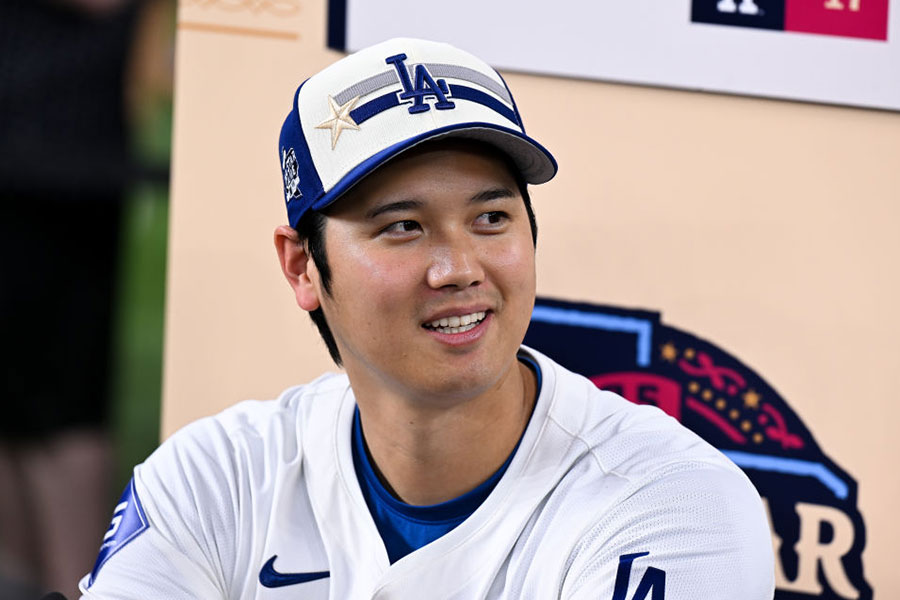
<point>405,527</point>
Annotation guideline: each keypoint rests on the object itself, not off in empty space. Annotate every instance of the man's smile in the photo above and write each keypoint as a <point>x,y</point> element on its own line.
<point>462,334</point>
<point>456,324</point>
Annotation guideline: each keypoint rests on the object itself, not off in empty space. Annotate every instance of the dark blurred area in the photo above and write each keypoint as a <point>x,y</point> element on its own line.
<point>62,68</point>
<point>85,131</point>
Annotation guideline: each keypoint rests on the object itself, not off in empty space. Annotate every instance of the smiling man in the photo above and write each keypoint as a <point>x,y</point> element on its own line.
<point>448,461</point>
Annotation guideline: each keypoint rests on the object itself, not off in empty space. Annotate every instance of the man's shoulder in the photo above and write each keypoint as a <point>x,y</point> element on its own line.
<point>641,441</point>
<point>258,418</point>
<point>622,439</point>
<point>251,430</point>
<point>210,489</point>
<point>637,483</point>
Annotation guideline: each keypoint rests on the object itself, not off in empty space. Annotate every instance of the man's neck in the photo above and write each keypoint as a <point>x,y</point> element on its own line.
<point>427,455</point>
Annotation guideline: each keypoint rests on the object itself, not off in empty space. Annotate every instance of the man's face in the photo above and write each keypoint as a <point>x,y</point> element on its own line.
<point>439,233</point>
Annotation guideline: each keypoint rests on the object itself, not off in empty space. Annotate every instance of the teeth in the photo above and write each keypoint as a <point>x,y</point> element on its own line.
<point>457,324</point>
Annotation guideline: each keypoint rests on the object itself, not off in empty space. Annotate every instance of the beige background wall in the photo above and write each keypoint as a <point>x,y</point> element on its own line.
<point>767,227</point>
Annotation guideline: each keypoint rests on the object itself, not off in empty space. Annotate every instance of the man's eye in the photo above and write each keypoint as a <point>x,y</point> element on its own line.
<point>402,227</point>
<point>493,218</point>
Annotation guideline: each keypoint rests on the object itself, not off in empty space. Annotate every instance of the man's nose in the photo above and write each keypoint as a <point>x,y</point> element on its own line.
<point>454,263</point>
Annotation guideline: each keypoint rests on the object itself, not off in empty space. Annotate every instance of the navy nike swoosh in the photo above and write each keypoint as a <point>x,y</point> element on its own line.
<point>271,578</point>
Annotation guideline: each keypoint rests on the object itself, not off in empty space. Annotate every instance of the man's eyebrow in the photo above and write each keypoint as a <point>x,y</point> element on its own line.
<point>403,205</point>
<point>491,194</point>
<point>398,206</point>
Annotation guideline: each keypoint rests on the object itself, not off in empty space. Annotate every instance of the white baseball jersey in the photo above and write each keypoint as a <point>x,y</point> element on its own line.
<point>602,500</point>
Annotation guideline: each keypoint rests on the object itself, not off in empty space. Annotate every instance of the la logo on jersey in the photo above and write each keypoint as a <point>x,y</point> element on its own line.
<point>652,586</point>
<point>424,86</point>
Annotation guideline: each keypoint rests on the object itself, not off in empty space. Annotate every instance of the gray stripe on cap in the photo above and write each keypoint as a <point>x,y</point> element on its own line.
<point>470,75</point>
<point>388,78</point>
<point>367,86</point>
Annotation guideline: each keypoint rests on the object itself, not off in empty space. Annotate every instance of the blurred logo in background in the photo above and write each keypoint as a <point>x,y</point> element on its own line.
<point>273,19</point>
<point>280,8</point>
<point>817,530</point>
<point>846,18</point>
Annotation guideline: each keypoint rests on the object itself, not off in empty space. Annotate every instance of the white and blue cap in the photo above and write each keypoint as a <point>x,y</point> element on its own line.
<point>361,111</point>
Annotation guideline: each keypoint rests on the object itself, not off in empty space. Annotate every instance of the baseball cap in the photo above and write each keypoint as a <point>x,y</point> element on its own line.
<point>358,113</point>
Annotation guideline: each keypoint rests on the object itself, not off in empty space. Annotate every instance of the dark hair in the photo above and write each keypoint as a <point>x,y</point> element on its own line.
<point>311,229</point>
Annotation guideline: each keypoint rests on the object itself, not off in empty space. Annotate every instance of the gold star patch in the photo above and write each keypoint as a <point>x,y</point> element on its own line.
<point>340,119</point>
<point>669,352</point>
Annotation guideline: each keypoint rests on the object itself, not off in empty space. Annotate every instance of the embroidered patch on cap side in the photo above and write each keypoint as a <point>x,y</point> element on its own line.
<point>290,170</point>
<point>127,523</point>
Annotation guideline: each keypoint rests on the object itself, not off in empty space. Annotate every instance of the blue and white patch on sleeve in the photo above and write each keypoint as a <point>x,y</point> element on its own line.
<point>127,523</point>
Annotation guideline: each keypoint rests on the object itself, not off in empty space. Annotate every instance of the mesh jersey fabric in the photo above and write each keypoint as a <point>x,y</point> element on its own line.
<point>596,480</point>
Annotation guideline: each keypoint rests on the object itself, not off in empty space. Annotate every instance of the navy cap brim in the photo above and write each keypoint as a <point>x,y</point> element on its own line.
<point>534,162</point>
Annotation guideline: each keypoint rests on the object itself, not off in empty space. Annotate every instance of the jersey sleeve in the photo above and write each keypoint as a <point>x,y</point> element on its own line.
<point>172,533</point>
<point>150,567</point>
<point>693,532</point>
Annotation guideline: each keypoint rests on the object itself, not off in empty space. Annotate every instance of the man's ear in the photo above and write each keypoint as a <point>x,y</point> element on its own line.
<point>298,267</point>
